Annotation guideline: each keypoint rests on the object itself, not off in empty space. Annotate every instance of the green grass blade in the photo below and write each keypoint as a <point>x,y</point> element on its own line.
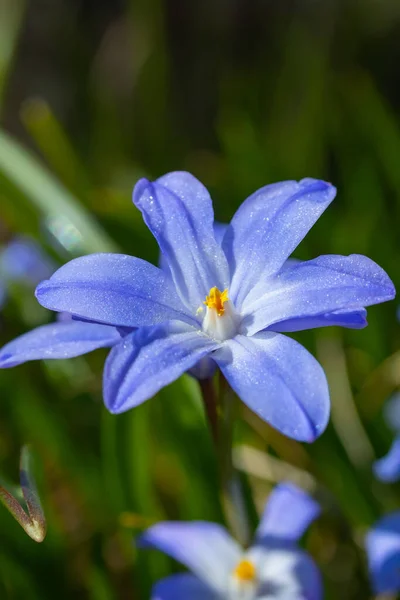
<point>63,214</point>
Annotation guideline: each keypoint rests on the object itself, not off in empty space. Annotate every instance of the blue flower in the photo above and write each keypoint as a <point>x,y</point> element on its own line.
<point>22,261</point>
<point>272,568</point>
<point>383,551</point>
<point>224,303</point>
<point>387,468</point>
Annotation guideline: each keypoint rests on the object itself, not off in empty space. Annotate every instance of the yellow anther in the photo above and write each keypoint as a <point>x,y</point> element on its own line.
<point>245,571</point>
<point>216,300</point>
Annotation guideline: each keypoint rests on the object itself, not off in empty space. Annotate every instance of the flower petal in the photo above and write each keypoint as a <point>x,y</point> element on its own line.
<point>327,284</point>
<point>287,514</point>
<point>24,260</point>
<point>205,548</point>
<point>177,209</point>
<point>383,551</point>
<point>112,288</point>
<point>387,468</point>
<point>182,587</point>
<point>351,319</point>
<point>286,574</point>
<point>280,380</point>
<point>392,412</point>
<point>219,232</point>
<point>149,359</point>
<point>58,340</point>
<point>204,369</point>
<point>268,226</point>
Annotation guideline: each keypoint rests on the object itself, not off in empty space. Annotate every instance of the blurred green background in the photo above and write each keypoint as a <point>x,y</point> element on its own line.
<point>95,94</point>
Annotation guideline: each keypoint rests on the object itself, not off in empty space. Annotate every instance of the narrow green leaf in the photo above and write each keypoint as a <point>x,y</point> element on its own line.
<point>54,144</point>
<point>11,14</point>
<point>63,215</point>
<point>33,522</point>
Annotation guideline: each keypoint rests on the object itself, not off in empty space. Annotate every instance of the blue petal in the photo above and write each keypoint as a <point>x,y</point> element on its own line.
<point>352,319</point>
<point>182,587</point>
<point>387,468</point>
<point>177,209</point>
<point>204,369</point>
<point>112,288</point>
<point>327,284</point>
<point>280,380</point>
<point>205,548</point>
<point>286,574</point>
<point>149,359</point>
<point>392,412</point>
<point>58,340</point>
<point>309,577</point>
<point>287,514</point>
<point>23,260</point>
<point>219,232</point>
<point>383,551</point>
<point>268,227</point>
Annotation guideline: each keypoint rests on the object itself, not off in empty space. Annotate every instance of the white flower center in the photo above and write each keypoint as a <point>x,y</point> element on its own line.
<point>220,321</point>
<point>243,582</point>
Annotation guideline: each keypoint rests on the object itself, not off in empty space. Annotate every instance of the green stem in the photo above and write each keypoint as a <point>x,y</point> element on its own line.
<point>231,487</point>
<point>220,411</point>
<point>210,406</point>
<point>225,412</point>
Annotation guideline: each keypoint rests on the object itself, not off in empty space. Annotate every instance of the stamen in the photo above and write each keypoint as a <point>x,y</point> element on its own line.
<point>245,571</point>
<point>221,320</point>
<point>216,300</point>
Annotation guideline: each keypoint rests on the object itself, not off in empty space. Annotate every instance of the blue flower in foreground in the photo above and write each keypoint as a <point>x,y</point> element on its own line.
<point>213,302</point>
<point>273,568</point>
<point>383,551</point>
<point>387,468</point>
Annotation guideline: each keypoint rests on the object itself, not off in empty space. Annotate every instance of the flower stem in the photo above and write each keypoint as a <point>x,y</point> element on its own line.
<point>225,414</point>
<point>210,406</point>
<point>231,488</point>
<point>220,410</point>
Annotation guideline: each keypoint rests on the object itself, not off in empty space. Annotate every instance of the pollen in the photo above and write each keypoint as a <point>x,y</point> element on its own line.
<point>245,571</point>
<point>216,300</point>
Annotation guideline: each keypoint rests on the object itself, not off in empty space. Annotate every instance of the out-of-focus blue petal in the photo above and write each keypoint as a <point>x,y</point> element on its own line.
<point>287,514</point>
<point>182,587</point>
<point>112,288</point>
<point>286,574</point>
<point>205,548</point>
<point>383,551</point>
<point>58,340</point>
<point>177,209</point>
<point>268,226</point>
<point>149,359</point>
<point>280,380</point>
<point>352,319</point>
<point>329,283</point>
<point>23,260</point>
<point>387,468</point>
<point>392,412</point>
